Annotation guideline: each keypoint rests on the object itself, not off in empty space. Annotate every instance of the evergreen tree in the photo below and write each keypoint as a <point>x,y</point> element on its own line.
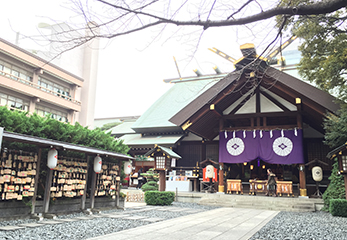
<point>152,179</point>
<point>336,188</point>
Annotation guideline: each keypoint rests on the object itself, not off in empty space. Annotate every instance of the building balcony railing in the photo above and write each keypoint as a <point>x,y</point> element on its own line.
<point>37,86</point>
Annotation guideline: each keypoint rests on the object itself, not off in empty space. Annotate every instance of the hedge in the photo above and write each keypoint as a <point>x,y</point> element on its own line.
<point>159,198</point>
<point>338,207</point>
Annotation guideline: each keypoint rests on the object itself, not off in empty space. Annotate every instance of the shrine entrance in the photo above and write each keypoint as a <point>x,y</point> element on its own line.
<point>256,172</point>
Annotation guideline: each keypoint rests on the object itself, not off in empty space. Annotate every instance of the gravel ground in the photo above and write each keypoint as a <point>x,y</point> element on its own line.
<point>83,229</point>
<point>284,226</point>
<point>303,226</point>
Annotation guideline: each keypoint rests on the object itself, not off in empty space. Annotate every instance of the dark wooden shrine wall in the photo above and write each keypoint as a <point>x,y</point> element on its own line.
<point>192,152</point>
<point>314,148</point>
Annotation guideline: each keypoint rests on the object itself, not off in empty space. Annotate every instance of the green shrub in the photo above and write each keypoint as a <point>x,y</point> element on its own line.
<point>159,198</point>
<point>336,188</point>
<point>152,179</point>
<point>338,207</point>
<point>122,195</point>
<point>150,186</point>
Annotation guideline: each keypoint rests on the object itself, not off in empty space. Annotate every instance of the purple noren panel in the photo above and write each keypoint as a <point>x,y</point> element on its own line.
<point>274,146</point>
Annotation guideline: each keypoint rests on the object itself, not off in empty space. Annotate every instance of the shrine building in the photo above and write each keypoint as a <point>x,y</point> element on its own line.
<point>254,118</point>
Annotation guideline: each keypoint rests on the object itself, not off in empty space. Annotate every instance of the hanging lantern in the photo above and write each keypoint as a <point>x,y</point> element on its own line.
<point>52,158</point>
<point>97,164</point>
<point>127,167</point>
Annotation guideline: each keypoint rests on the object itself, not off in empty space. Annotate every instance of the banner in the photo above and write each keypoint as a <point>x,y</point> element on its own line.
<point>274,146</point>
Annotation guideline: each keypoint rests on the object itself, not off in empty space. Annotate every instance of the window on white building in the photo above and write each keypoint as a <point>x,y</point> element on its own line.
<point>46,111</point>
<point>13,102</point>
<point>14,72</point>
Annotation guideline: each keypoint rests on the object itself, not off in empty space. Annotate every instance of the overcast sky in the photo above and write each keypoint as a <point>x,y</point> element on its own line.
<point>131,73</point>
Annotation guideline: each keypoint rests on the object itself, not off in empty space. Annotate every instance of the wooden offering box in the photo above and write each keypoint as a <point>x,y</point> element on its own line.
<point>257,186</point>
<point>234,185</point>
<point>284,187</point>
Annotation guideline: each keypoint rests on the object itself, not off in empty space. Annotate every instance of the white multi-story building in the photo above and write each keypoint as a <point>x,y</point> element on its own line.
<point>64,87</point>
<point>27,83</point>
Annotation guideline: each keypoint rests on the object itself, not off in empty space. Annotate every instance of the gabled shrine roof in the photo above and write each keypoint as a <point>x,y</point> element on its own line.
<point>199,116</point>
<point>167,151</point>
<point>156,118</point>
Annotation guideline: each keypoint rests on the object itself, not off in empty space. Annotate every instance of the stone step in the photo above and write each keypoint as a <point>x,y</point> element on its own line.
<point>266,203</point>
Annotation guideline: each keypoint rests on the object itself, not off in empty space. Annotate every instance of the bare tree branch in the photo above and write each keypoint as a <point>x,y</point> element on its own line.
<point>312,9</point>
<point>239,10</point>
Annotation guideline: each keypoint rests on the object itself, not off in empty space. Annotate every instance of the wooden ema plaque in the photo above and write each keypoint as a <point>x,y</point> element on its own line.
<point>234,185</point>
<point>107,179</point>
<point>69,178</point>
<point>17,174</point>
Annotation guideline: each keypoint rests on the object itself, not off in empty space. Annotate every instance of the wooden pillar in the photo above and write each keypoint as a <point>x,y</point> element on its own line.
<point>221,124</point>
<point>47,195</point>
<point>33,200</point>
<point>162,180</point>
<point>203,150</point>
<point>92,189</point>
<point>221,178</point>
<point>302,175</point>
<point>345,177</point>
<point>118,185</point>
<point>302,179</point>
<point>83,199</point>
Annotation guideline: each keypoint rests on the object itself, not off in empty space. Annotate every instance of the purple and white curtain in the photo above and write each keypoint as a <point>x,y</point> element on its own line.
<point>274,146</point>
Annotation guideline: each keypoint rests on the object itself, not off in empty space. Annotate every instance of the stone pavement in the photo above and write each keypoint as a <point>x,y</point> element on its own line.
<point>218,224</point>
<point>221,223</point>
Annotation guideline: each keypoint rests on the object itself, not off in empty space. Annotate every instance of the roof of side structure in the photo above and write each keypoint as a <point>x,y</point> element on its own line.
<point>170,103</point>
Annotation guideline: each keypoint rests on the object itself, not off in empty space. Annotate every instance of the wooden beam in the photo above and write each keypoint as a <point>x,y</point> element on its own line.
<point>195,118</point>
<point>47,196</point>
<point>221,178</point>
<point>162,180</point>
<point>257,101</point>
<point>252,122</point>
<point>241,104</point>
<point>264,121</point>
<point>83,199</point>
<point>290,96</point>
<point>299,116</point>
<point>302,180</point>
<point>221,124</point>
<point>92,189</point>
<point>252,115</point>
<point>277,103</point>
<point>38,163</point>
<point>212,96</point>
<point>261,127</point>
<point>232,87</point>
<point>118,186</point>
<point>216,110</point>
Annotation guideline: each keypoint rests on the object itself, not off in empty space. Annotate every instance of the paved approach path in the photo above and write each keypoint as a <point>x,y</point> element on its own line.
<point>217,224</point>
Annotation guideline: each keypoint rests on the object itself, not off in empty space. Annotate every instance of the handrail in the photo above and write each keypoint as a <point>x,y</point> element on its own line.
<point>35,85</point>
